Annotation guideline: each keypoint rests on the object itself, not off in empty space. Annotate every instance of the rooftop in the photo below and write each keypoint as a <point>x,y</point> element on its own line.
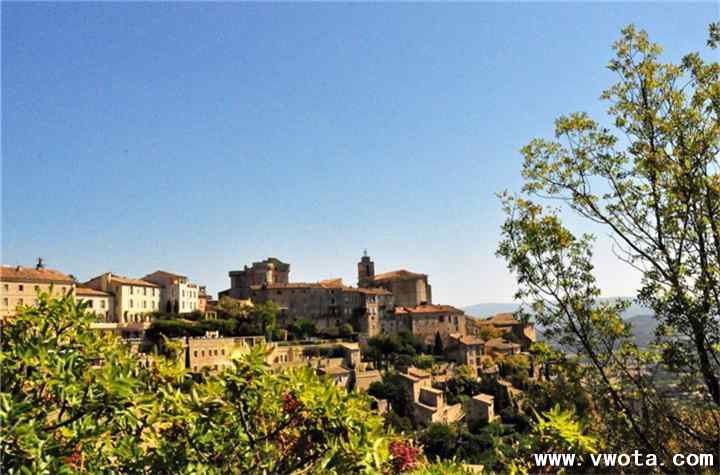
<point>374,291</point>
<point>334,370</point>
<point>31,274</point>
<point>167,274</point>
<point>501,344</point>
<point>501,319</point>
<point>484,398</point>
<point>398,274</point>
<point>129,281</point>
<point>87,291</point>
<point>467,339</point>
<point>428,308</point>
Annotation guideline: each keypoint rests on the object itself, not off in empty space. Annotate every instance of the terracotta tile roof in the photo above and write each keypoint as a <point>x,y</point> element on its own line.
<point>428,308</point>
<point>484,397</point>
<point>167,274</point>
<point>374,291</point>
<point>31,274</point>
<point>128,281</point>
<point>467,339</point>
<point>293,285</point>
<point>501,344</point>
<point>398,274</point>
<point>331,283</point>
<point>87,291</point>
<point>501,319</point>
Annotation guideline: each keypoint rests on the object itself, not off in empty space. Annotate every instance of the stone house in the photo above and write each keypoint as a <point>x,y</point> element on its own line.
<point>20,286</point>
<point>466,350</point>
<point>177,294</point>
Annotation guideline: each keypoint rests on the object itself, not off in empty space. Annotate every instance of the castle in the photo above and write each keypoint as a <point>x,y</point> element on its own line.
<point>390,302</point>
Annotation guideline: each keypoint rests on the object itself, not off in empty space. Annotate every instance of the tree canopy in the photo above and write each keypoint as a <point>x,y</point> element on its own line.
<point>652,181</point>
<point>76,400</point>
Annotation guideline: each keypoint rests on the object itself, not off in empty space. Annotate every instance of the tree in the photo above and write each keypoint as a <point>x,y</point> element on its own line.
<point>438,345</point>
<point>302,329</point>
<point>265,315</point>
<point>76,400</point>
<point>233,308</point>
<point>346,330</point>
<point>652,182</point>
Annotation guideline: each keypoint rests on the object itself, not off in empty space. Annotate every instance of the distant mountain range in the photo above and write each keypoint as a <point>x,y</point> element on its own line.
<point>485,310</point>
<point>643,323</point>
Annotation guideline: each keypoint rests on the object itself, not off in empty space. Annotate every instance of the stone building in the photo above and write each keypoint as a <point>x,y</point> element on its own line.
<point>480,407</point>
<point>500,346</point>
<point>100,303</point>
<point>203,299</point>
<point>134,301</point>
<point>213,352</point>
<point>327,303</point>
<point>177,294</point>
<point>428,404</point>
<point>466,350</point>
<point>271,271</point>
<point>425,321</point>
<point>507,323</point>
<point>20,286</point>
<point>408,288</point>
<point>377,304</point>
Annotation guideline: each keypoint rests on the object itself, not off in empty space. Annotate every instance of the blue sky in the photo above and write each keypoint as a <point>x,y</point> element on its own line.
<point>197,138</point>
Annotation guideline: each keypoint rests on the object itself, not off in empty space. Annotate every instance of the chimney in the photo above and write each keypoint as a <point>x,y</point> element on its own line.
<point>40,264</point>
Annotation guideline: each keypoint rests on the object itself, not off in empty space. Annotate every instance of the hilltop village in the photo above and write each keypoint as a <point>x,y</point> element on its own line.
<point>386,332</point>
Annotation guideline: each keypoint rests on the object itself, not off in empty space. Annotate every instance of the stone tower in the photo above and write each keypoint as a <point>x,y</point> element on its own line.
<point>366,270</point>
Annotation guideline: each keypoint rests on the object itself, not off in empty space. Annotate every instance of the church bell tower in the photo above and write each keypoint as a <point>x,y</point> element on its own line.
<point>366,270</point>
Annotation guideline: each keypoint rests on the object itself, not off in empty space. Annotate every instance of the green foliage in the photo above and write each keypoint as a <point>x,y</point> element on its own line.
<point>346,330</point>
<point>386,349</point>
<point>265,315</point>
<point>489,332</point>
<point>424,361</point>
<point>652,182</point>
<point>302,329</point>
<point>228,307</point>
<point>516,368</point>
<point>76,400</point>
<point>392,389</point>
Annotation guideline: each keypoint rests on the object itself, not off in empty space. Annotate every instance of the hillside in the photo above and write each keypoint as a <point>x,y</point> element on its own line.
<point>643,324</point>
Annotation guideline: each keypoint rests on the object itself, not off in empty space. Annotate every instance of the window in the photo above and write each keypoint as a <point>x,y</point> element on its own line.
<point>144,290</point>
<point>102,304</point>
<point>21,287</point>
<point>144,303</point>
<point>37,288</point>
<point>6,302</point>
<point>131,303</point>
<point>441,318</point>
<point>222,352</point>
<point>195,353</point>
<point>90,303</point>
<point>131,290</point>
<point>202,352</point>
<point>7,288</point>
<point>20,302</point>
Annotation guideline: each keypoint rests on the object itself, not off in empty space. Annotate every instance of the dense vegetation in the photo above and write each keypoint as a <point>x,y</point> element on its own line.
<point>75,400</point>
<point>652,181</point>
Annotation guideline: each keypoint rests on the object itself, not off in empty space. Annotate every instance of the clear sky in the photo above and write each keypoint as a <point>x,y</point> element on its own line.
<point>197,138</point>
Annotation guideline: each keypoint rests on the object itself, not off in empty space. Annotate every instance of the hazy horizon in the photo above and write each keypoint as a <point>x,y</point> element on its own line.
<point>198,138</point>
